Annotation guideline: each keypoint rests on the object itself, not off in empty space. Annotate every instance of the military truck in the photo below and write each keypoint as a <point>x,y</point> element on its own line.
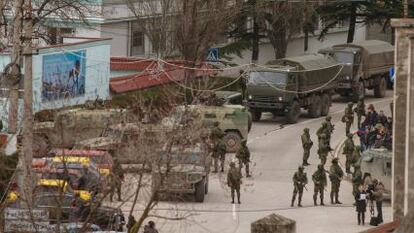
<point>367,65</point>
<point>184,169</point>
<point>286,85</point>
<point>71,126</point>
<point>378,162</point>
<point>233,119</point>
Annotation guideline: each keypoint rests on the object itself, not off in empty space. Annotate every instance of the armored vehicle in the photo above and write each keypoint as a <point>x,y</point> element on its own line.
<point>233,119</point>
<point>367,65</point>
<point>71,126</point>
<point>378,162</point>
<point>184,169</point>
<point>285,86</point>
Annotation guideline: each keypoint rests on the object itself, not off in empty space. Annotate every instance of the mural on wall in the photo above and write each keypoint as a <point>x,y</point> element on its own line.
<point>63,75</point>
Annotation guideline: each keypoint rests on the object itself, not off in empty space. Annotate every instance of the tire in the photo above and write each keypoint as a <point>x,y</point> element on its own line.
<point>359,92</point>
<point>325,104</point>
<point>249,122</point>
<point>256,115</point>
<point>381,88</point>
<point>315,107</point>
<point>292,115</point>
<point>200,191</point>
<point>232,140</point>
<point>206,188</point>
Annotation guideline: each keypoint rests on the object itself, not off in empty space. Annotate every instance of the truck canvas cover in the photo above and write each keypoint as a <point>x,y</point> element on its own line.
<point>378,56</point>
<point>318,70</point>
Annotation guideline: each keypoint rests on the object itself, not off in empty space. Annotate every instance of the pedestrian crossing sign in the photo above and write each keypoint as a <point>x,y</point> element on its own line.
<point>213,55</point>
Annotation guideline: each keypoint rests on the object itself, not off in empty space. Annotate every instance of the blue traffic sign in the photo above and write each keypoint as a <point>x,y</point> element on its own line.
<point>213,55</point>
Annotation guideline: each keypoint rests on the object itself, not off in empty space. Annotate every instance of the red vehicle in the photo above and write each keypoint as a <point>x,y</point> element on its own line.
<point>102,159</point>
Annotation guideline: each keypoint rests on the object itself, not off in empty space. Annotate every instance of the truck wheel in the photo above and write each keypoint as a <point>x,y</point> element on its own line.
<point>206,188</point>
<point>315,107</point>
<point>256,115</point>
<point>359,92</point>
<point>325,105</point>
<point>292,115</point>
<point>232,140</point>
<point>200,191</point>
<point>381,88</point>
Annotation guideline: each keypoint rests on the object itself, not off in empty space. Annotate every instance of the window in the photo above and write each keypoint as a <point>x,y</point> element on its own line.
<point>210,115</point>
<point>137,39</point>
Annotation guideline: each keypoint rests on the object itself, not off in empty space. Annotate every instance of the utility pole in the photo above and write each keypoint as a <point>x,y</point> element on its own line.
<point>14,72</point>
<point>28,103</point>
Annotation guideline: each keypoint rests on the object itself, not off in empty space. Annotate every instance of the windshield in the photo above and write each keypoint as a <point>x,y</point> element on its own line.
<point>267,77</point>
<point>344,57</point>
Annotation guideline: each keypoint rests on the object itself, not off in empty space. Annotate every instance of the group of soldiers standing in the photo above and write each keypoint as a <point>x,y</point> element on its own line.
<point>234,176</point>
<point>319,177</point>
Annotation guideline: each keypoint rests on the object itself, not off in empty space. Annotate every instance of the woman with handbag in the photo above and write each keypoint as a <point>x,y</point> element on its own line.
<point>361,204</point>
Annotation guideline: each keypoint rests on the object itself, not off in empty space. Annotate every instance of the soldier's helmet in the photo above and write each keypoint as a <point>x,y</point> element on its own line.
<point>357,166</point>
<point>306,130</point>
<point>328,118</point>
<point>350,135</point>
<point>323,135</point>
<point>301,168</point>
<point>361,98</point>
<point>350,104</point>
<point>216,123</point>
<point>324,124</point>
<point>335,160</point>
<point>232,164</point>
<point>320,167</point>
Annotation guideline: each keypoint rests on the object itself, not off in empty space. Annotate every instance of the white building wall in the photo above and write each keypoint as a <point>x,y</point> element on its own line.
<point>296,46</point>
<point>119,32</point>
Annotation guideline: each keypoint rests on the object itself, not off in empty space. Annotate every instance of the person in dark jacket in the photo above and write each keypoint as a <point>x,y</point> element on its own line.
<point>371,118</point>
<point>381,118</point>
<point>361,204</point>
<point>378,195</point>
<point>150,228</point>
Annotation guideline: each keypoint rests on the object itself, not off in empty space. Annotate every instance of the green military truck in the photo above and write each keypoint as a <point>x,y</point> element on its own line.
<point>184,169</point>
<point>367,65</point>
<point>286,85</point>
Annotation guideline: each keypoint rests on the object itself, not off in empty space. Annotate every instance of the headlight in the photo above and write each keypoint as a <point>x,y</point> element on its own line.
<point>280,98</point>
<point>250,97</point>
<point>193,177</point>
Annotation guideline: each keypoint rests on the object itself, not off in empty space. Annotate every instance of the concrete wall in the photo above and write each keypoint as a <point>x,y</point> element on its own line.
<point>119,32</point>
<point>296,45</point>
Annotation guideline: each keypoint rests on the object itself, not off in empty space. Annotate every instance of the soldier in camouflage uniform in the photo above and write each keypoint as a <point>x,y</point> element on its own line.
<point>348,118</point>
<point>219,150</point>
<point>348,150</point>
<point>356,155</point>
<point>319,180</point>
<point>234,181</point>
<point>243,155</point>
<point>356,179</point>
<point>360,110</point>
<point>323,149</point>
<point>116,179</point>
<point>299,182</point>
<point>329,129</point>
<point>335,175</point>
<point>322,130</point>
<point>307,145</point>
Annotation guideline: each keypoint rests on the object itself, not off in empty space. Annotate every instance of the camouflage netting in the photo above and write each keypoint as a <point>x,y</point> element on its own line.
<point>274,224</point>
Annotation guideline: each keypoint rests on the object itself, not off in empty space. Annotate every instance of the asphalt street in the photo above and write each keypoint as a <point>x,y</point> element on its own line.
<point>276,152</point>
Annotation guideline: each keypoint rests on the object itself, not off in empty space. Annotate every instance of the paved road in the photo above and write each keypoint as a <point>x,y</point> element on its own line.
<point>276,153</point>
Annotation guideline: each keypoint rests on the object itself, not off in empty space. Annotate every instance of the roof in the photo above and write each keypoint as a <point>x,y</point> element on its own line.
<point>370,46</point>
<point>154,73</point>
<point>308,62</point>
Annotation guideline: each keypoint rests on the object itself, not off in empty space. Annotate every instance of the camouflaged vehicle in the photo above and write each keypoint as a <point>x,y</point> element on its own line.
<point>378,162</point>
<point>125,141</point>
<point>71,126</point>
<point>233,119</point>
<point>185,170</point>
